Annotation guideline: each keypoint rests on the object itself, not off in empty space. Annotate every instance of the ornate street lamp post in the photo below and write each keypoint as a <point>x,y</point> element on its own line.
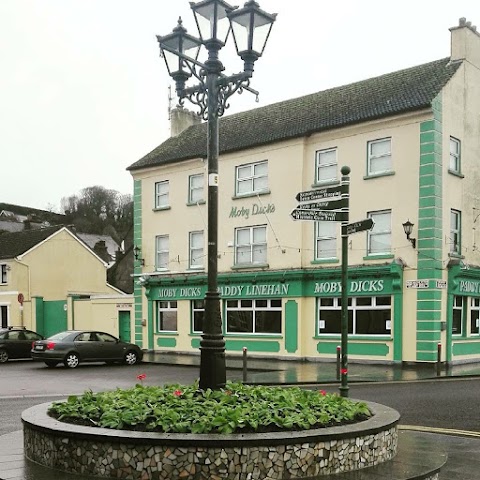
<point>251,28</point>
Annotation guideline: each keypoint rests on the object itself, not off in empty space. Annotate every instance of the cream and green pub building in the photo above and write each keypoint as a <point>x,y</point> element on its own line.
<point>411,139</point>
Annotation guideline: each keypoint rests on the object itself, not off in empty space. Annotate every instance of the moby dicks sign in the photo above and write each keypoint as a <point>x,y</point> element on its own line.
<point>355,287</point>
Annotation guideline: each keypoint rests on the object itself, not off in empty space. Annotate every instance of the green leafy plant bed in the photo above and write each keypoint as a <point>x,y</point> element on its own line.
<point>237,408</point>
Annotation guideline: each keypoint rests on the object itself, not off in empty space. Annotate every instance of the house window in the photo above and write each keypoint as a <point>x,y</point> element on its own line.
<point>252,178</point>
<point>198,314</point>
<point>379,238</point>
<point>3,273</point>
<point>196,249</point>
<point>326,166</point>
<point>262,316</point>
<point>251,245</point>
<point>162,252</point>
<point>166,316</point>
<point>454,165</point>
<point>161,194</point>
<point>475,316</point>
<point>455,231</point>
<point>195,188</point>
<point>325,240</point>
<point>366,315</point>
<point>379,156</point>
<point>457,315</point>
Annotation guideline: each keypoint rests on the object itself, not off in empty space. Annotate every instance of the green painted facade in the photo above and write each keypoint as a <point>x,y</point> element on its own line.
<point>137,240</point>
<point>289,285</point>
<point>430,231</point>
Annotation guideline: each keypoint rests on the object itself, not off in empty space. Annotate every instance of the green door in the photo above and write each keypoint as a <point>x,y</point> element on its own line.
<point>124,326</point>
<point>55,317</point>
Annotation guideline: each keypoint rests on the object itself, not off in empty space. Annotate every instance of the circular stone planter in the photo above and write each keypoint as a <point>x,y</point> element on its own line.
<point>143,455</point>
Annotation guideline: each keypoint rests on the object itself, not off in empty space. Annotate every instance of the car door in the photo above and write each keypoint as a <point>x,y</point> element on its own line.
<point>87,345</point>
<point>15,343</point>
<point>30,337</point>
<point>111,350</point>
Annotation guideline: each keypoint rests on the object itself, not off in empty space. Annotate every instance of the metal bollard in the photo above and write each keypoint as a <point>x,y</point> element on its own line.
<point>439,358</point>
<point>244,364</point>
<point>339,349</point>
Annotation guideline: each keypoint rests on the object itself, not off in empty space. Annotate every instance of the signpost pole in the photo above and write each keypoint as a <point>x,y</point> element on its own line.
<point>344,321</point>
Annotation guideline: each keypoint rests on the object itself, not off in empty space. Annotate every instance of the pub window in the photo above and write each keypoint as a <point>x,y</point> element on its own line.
<point>166,316</point>
<point>161,194</point>
<point>457,315</point>
<point>366,315</point>
<point>475,316</point>
<point>198,314</point>
<point>260,316</point>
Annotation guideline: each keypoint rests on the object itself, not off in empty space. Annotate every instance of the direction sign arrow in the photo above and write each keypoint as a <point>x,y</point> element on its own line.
<point>326,205</point>
<point>360,226</point>
<point>319,215</point>
<point>329,192</point>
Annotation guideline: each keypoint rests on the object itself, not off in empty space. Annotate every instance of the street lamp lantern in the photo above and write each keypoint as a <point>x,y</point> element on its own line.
<point>214,19</point>
<point>174,48</point>
<point>251,28</point>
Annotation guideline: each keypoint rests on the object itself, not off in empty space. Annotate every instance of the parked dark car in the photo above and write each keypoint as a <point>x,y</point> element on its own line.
<point>16,342</point>
<point>75,346</point>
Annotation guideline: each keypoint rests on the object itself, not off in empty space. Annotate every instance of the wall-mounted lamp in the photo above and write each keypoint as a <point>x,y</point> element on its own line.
<point>407,228</point>
<point>136,253</point>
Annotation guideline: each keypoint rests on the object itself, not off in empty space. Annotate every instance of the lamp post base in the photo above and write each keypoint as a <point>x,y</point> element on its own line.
<point>212,362</point>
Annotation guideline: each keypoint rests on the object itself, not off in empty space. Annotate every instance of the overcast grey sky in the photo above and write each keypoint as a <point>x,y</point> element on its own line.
<point>84,93</point>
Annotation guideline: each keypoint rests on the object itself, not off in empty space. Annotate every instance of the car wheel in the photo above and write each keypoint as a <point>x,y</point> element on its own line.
<point>131,358</point>
<point>3,356</point>
<point>71,360</point>
<point>51,364</point>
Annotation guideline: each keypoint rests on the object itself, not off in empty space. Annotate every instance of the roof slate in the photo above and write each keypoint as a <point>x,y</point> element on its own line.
<point>398,92</point>
<point>13,244</point>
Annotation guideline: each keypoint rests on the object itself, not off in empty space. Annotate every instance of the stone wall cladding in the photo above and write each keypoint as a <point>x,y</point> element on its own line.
<point>114,457</point>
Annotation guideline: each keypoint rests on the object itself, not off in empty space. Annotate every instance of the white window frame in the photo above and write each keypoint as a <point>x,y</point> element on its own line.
<point>458,306</point>
<point>455,232</point>
<point>454,164</point>
<point>474,319</point>
<point>353,308</point>
<point>322,238</point>
<point>253,305</point>
<point>162,190</point>
<point>3,274</point>
<point>196,253</point>
<point>377,231</point>
<point>161,251</point>
<point>197,309</point>
<point>371,157</point>
<point>167,306</point>
<point>196,193</point>
<point>251,178</point>
<point>248,249</point>
<point>319,166</point>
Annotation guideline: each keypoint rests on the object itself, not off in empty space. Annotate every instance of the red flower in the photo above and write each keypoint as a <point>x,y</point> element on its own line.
<point>343,371</point>
<point>177,393</point>
<point>142,376</point>
<point>322,392</point>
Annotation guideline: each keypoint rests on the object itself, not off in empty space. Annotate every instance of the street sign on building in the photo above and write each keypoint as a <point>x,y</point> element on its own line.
<point>417,283</point>
<point>326,205</point>
<point>312,195</point>
<point>360,226</point>
<point>319,215</point>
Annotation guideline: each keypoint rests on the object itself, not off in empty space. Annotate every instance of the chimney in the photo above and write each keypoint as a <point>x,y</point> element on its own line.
<point>465,42</point>
<point>101,250</point>
<point>181,119</point>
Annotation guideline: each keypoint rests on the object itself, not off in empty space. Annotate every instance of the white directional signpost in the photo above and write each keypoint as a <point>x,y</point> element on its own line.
<point>332,205</point>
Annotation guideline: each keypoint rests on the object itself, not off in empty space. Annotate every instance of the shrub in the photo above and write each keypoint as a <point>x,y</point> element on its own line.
<point>237,408</point>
